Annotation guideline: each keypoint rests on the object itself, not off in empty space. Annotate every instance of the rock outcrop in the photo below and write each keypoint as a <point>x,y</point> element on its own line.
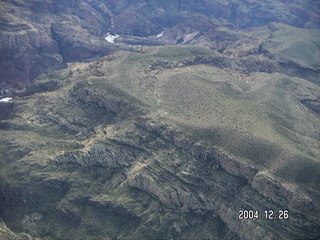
<point>167,142</point>
<point>39,37</point>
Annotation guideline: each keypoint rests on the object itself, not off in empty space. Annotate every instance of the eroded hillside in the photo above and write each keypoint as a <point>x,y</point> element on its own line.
<point>165,119</point>
<point>168,142</point>
<point>40,36</point>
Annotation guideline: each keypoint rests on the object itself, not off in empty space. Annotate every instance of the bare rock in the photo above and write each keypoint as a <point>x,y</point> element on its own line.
<point>284,194</point>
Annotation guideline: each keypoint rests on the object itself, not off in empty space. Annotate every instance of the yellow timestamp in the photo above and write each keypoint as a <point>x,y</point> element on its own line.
<point>266,214</point>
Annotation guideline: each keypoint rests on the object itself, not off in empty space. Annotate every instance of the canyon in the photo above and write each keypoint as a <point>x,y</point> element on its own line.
<point>159,119</point>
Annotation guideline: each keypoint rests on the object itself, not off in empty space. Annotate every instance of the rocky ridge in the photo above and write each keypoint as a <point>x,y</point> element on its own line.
<point>130,161</point>
<point>166,142</point>
<point>39,37</point>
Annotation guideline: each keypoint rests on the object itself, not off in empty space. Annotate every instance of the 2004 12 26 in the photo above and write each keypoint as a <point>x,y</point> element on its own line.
<point>267,214</point>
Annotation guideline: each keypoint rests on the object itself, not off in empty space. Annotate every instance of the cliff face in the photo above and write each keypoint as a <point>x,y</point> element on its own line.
<point>32,42</point>
<point>41,36</point>
<point>212,108</point>
<point>170,142</point>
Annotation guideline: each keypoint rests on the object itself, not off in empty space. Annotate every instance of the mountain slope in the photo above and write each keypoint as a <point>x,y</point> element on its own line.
<point>165,120</point>
<point>42,36</point>
<point>159,144</point>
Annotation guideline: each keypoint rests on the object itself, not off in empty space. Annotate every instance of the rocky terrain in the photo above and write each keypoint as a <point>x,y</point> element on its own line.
<point>42,36</point>
<point>165,119</point>
<point>129,147</point>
